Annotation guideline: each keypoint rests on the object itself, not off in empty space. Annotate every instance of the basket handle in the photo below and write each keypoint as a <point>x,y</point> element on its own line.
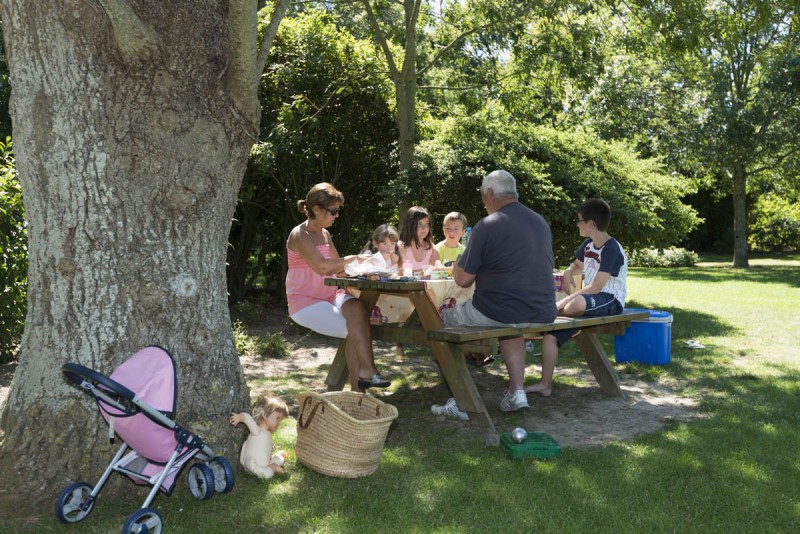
<point>310,417</point>
<point>377,406</point>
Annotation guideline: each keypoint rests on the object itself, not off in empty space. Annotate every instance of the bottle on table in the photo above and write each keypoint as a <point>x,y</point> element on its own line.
<point>465,237</point>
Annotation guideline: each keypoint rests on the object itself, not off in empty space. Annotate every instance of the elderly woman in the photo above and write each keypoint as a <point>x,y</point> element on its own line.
<point>325,309</point>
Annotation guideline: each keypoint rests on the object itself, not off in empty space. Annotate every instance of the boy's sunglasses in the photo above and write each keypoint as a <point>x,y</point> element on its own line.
<point>333,211</point>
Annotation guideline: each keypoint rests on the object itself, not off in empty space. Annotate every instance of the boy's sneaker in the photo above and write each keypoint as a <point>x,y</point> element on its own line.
<point>515,401</point>
<point>449,408</point>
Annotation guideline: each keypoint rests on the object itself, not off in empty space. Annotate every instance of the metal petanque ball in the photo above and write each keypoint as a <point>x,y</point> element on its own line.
<point>519,435</point>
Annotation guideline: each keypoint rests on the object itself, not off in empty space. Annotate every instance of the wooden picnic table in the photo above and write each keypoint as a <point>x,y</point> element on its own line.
<point>448,345</point>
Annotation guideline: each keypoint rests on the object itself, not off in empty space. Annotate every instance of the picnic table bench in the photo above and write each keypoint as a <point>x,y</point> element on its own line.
<point>449,345</point>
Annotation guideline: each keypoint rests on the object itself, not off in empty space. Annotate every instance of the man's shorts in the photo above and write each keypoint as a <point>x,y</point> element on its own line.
<point>465,314</point>
<point>597,305</point>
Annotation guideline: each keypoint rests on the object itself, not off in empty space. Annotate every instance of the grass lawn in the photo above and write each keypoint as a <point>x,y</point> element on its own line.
<point>735,469</point>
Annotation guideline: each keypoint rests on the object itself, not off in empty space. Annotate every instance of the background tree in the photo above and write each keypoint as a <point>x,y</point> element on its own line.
<point>400,30</point>
<point>730,91</point>
<point>132,126</point>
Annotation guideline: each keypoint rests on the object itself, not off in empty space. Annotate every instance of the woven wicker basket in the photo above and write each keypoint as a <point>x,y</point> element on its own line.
<point>342,433</point>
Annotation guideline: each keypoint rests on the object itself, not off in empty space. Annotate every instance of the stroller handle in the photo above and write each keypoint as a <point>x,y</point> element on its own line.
<point>78,373</point>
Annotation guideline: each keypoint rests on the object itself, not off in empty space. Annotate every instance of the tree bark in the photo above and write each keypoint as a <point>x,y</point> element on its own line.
<point>132,127</point>
<point>406,102</point>
<point>404,80</point>
<point>740,252</point>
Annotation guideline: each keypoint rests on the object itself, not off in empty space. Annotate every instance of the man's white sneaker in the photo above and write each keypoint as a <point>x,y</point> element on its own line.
<point>449,408</point>
<point>515,401</point>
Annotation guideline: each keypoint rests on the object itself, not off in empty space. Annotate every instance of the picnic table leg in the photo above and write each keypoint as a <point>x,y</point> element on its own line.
<point>598,362</point>
<point>338,374</point>
<point>451,364</point>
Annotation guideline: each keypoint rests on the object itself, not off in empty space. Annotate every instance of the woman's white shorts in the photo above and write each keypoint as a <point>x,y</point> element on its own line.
<point>325,318</point>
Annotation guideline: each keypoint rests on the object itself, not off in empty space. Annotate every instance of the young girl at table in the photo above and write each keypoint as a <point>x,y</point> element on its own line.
<point>385,240</point>
<point>416,239</point>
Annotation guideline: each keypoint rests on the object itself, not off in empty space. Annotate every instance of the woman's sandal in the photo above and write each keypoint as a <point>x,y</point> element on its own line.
<point>377,381</point>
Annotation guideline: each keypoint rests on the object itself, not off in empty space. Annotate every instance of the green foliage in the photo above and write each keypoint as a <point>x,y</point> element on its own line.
<point>270,345</point>
<point>13,255</point>
<point>555,172</point>
<point>668,257</point>
<point>776,224</point>
<point>325,118</point>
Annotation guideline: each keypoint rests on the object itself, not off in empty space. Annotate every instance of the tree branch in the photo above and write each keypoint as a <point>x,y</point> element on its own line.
<point>443,51</point>
<point>135,39</point>
<point>269,36</point>
<point>381,38</point>
<point>778,160</point>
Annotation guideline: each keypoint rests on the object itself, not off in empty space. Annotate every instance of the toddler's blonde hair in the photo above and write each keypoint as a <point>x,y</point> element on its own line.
<point>266,404</point>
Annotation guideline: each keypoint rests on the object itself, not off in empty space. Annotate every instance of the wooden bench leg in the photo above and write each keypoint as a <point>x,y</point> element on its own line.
<point>598,362</point>
<point>456,374</point>
<point>338,374</point>
<point>451,364</point>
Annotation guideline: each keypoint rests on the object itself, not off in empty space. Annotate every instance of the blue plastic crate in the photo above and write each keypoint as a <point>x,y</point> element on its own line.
<point>646,341</point>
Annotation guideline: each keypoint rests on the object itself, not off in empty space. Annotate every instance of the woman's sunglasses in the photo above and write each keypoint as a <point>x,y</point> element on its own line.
<point>333,211</point>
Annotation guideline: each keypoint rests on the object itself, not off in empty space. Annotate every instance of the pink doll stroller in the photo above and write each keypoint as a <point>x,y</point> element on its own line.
<point>138,403</point>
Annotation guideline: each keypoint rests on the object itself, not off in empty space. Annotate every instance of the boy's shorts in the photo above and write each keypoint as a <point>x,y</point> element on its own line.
<point>597,305</point>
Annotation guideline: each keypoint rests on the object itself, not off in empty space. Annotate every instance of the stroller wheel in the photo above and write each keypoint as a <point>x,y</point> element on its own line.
<point>143,521</point>
<point>201,481</point>
<point>74,503</point>
<point>223,474</point>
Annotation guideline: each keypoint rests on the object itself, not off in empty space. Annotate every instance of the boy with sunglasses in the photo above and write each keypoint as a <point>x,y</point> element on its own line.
<point>604,265</point>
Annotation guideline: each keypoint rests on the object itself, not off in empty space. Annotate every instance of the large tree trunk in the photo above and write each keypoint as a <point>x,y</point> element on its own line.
<point>740,255</point>
<point>132,125</point>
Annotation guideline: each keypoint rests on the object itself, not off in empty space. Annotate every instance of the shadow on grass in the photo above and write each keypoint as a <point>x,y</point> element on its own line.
<point>733,472</point>
<point>736,471</point>
<point>684,363</point>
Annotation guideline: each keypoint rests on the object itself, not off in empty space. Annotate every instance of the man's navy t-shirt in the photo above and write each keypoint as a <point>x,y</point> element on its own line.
<point>510,252</point>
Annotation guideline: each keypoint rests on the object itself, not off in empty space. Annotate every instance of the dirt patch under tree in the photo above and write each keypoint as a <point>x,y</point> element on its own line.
<point>576,415</point>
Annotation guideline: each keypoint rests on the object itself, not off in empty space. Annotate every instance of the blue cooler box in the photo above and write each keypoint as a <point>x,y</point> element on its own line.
<point>646,340</point>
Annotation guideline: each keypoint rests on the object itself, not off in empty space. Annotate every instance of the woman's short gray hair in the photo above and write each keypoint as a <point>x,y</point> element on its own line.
<point>502,183</point>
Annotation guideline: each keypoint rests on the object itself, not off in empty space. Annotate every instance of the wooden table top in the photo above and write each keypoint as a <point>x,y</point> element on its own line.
<point>390,285</point>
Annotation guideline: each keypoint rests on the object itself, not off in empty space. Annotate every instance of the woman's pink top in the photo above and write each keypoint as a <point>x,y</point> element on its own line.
<point>304,287</point>
<point>408,255</point>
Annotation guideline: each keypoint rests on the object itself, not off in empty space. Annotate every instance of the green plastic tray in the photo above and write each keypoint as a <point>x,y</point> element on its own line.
<point>538,445</point>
